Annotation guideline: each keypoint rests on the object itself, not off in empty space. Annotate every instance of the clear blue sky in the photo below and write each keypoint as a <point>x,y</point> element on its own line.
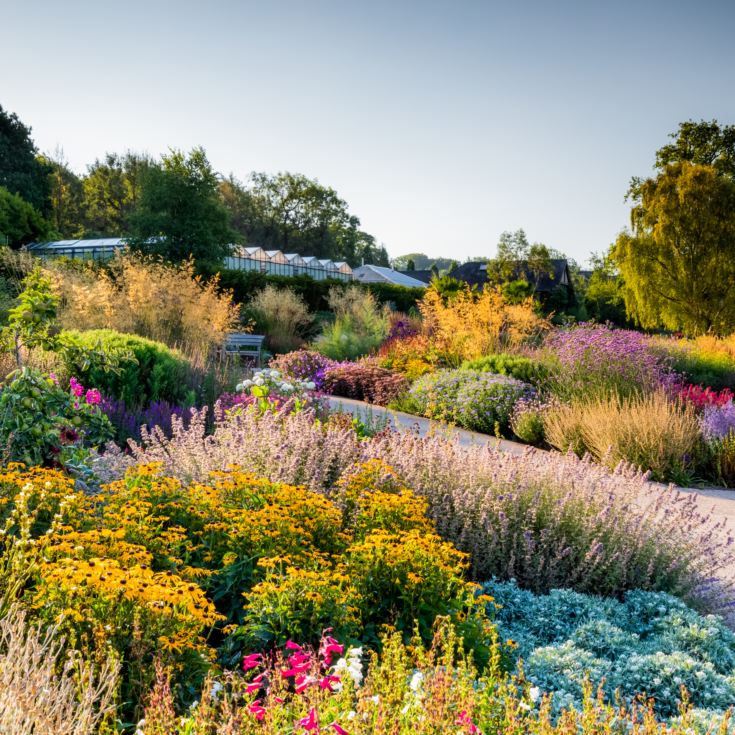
<point>441,123</point>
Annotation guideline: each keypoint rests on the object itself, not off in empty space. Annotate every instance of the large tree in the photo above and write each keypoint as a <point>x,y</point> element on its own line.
<point>180,212</point>
<point>20,170</point>
<point>67,196</point>
<point>705,142</point>
<point>293,213</point>
<point>678,263</point>
<point>20,223</point>
<point>112,189</point>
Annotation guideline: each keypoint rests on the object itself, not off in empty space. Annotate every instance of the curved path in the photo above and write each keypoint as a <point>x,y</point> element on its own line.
<point>720,501</point>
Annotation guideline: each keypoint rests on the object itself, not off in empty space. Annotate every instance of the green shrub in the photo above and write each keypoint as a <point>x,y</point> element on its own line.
<point>244,285</point>
<point>527,422</point>
<point>146,371</point>
<point>475,400</point>
<point>359,327</point>
<point>41,422</point>
<point>522,368</point>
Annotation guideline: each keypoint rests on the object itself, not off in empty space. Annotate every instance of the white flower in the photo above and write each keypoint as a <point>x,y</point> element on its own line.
<point>534,693</point>
<point>311,385</point>
<point>375,698</point>
<point>416,681</point>
<point>275,373</point>
<point>216,689</point>
<point>524,706</point>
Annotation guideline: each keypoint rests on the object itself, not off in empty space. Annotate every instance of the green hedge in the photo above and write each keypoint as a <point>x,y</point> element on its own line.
<point>244,284</point>
<point>522,368</point>
<point>156,372</point>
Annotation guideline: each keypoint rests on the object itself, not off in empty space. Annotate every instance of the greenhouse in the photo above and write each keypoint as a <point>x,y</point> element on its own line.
<point>251,258</point>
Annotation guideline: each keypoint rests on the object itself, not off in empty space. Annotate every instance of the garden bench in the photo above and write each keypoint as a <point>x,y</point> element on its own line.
<point>244,345</point>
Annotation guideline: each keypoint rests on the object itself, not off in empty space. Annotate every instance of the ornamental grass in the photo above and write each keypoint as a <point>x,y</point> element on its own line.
<point>544,519</point>
<point>44,688</point>
<point>651,431</point>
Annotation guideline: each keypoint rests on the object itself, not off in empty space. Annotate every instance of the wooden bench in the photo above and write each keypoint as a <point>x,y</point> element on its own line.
<point>244,345</point>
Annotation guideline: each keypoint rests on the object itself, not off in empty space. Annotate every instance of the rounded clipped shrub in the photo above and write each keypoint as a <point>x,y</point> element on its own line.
<point>516,366</point>
<point>143,371</point>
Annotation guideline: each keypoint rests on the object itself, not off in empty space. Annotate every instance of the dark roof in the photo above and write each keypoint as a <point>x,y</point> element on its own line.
<point>423,276</point>
<point>475,274</point>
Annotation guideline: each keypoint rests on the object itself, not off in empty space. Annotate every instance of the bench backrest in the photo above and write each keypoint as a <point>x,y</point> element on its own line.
<point>244,340</point>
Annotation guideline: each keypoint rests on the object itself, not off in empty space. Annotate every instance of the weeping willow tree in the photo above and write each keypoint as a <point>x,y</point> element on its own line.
<point>678,262</point>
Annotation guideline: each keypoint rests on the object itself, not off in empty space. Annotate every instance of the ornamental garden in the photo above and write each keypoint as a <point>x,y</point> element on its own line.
<point>191,545</point>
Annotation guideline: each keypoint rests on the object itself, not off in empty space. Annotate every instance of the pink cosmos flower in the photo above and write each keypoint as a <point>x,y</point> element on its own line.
<point>251,661</point>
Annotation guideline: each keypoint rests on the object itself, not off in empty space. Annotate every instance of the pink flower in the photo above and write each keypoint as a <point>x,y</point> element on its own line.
<point>93,397</point>
<point>291,646</point>
<point>257,710</point>
<point>339,729</point>
<point>299,662</point>
<point>53,378</point>
<point>77,389</point>
<point>327,681</point>
<point>309,722</point>
<point>465,720</point>
<point>329,646</point>
<point>255,684</point>
<point>302,683</point>
<point>251,661</point>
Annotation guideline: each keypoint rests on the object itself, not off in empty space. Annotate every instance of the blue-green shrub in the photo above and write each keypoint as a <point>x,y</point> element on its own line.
<point>650,643</point>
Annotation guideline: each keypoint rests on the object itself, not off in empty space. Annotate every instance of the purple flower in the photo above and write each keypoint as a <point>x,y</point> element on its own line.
<point>718,421</point>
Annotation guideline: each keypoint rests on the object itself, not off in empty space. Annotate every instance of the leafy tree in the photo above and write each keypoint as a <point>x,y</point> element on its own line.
<point>20,223</point>
<point>293,213</point>
<point>515,249</point>
<point>422,262</point>
<point>180,212</point>
<point>703,142</point>
<point>20,170</point>
<point>67,196</point>
<point>30,323</point>
<point>112,190</point>
<point>678,263</point>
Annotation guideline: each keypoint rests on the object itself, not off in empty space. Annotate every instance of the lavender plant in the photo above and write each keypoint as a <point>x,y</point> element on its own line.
<point>593,360</point>
<point>546,520</point>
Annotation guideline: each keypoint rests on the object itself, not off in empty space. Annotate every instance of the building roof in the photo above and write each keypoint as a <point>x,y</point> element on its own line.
<point>475,274</point>
<point>424,276</point>
<point>381,274</point>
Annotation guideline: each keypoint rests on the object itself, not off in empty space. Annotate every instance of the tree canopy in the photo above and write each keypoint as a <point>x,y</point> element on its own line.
<point>179,213</point>
<point>112,190</point>
<point>20,170</point>
<point>678,263</point>
<point>20,223</point>
<point>293,213</point>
